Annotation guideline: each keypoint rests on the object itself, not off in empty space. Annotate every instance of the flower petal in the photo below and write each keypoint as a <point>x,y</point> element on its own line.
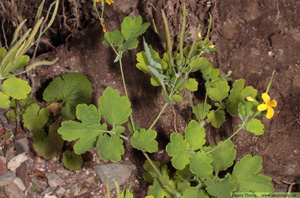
<point>262,107</point>
<point>249,98</point>
<point>266,98</point>
<point>273,103</point>
<point>270,113</point>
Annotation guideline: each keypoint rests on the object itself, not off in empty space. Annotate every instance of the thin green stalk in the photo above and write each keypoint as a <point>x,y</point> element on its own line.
<point>204,106</point>
<point>161,176</point>
<point>241,127</point>
<point>162,110</point>
<point>125,89</point>
<point>192,105</point>
<point>185,183</point>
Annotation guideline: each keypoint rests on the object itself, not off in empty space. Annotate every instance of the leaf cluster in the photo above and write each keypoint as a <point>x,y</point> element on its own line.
<point>126,39</point>
<point>199,166</point>
<point>14,59</point>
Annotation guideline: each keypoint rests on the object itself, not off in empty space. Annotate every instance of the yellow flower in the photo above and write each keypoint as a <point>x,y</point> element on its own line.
<point>267,106</point>
<point>107,1</point>
<point>249,98</point>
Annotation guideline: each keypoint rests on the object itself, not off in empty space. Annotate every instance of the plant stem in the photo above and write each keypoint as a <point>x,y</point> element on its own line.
<point>160,175</point>
<point>125,89</point>
<point>156,119</point>
<point>243,125</point>
<point>204,106</point>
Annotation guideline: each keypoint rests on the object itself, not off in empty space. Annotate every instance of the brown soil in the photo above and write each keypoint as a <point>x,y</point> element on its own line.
<point>253,37</point>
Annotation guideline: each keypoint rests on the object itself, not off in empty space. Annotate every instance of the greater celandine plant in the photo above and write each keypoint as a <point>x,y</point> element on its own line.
<point>198,167</point>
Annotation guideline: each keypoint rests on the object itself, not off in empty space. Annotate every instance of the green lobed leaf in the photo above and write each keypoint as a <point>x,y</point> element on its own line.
<point>199,64</point>
<point>86,132</point>
<point>129,45</point>
<point>195,135</point>
<point>110,147</point>
<point>4,101</point>
<point>193,192</point>
<point>223,156</point>
<point>49,144</point>
<point>73,89</point>
<point>154,81</point>
<point>201,110</point>
<point>238,94</point>
<point>142,62</point>
<point>150,174</point>
<point>27,101</point>
<point>248,91</point>
<point>114,38</point>
<point>177,97</point>
<point>248,179</point>
<point>218,90</point>
<point>158,190</point>
<point>144,140</point>
<point>178,149</point>
<point>72,161</point>
<point>191,84</point>
<point>216,118</point>
<point>201,164</point>
<point>221,188</point>
<point>115,109</point>
<point>126,194</point>
<point>152,56</point>
<point>235,92</point>
<point>251,108</point>
<point>214,75</point>
<point>11,115</point>
<point>255,126</point>
<point>35,118</point>
<point>16,88</point>
<point>22,62</point>
<point>133,28</point>
<point>184,174</point>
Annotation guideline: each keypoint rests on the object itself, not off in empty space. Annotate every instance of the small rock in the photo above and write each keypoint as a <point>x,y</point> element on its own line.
<point>119,172</point>
<point>90,180</point>
<point>9,152</point>
<point>20,184</point>
<point>12,191</point>
<point>59,192</point>
<point>21,145</point>
<point>15,162</point>
<point>37,183</point>
<point>3,168</point>
<point>50,196</point>
<point>49,190</point>
<point>54,180</point>
<point>22,173</point>
<point>63,171</point>
<point>7,178</point>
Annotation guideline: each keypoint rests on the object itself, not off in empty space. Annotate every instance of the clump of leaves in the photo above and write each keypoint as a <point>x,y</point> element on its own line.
<point>197,166</point>
<point>72,89</point>
<point>47,144</point>
<point>14,59</point>
<point>72,161</point>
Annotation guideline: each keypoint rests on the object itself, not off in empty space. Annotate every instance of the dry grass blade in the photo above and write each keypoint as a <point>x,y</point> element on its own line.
<point>182,32</point>
<point>168,37</point>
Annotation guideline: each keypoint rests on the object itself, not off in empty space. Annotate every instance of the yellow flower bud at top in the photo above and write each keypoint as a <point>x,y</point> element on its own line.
<point>199,35</point>
<point>249,98</point>
<point>211,46</point>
